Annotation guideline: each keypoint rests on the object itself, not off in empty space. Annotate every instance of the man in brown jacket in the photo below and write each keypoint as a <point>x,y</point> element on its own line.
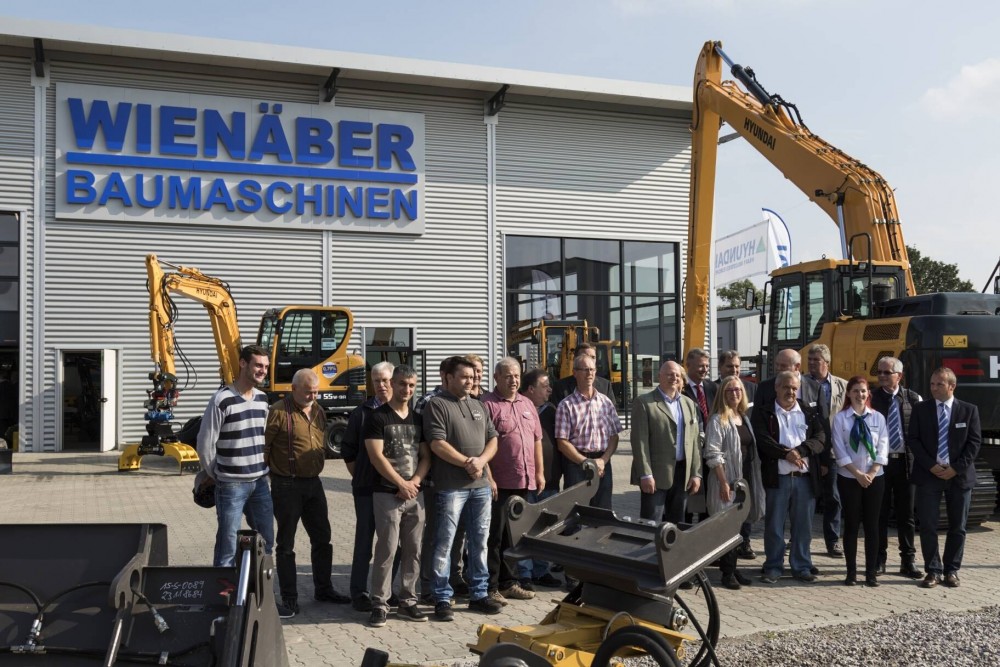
<point>294,451</point>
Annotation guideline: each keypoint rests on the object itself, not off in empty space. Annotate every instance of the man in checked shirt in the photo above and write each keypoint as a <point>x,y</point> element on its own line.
<point>587,427</point>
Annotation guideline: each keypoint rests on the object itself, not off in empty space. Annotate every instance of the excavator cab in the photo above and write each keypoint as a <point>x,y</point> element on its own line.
<point>805,298</point>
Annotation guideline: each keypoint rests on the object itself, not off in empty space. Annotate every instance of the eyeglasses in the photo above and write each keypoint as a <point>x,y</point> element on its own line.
<point>734,391</point>
<point>586,370</point>
<point>886,372</point>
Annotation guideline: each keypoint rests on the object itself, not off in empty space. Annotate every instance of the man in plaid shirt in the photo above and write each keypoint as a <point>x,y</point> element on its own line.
<point>587,427</point>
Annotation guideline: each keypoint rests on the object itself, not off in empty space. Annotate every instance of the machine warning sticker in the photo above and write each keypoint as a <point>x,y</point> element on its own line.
<point>956,341</point>
<point>329,370</point>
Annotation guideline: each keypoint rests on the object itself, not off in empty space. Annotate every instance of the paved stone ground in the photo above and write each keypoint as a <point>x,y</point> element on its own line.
<point>60,488</point>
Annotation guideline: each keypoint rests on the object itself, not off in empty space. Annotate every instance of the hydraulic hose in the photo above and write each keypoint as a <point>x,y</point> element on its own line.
<point>706,654</point>
<point>638,636</point>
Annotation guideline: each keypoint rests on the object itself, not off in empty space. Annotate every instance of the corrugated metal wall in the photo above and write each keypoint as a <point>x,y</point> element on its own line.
<point>17,187</point>
<point>592,174</point>
<point>436,282</point>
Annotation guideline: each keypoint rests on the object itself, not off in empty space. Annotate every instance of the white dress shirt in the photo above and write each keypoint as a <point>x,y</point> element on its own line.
<point>843,422</point>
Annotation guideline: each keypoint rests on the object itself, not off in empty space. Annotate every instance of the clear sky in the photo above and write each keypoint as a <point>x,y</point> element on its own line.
<point>909,87</point>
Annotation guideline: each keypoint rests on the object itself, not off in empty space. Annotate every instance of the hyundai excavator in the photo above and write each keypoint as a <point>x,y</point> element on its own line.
<point>553,337</point>
<point>314,337</point>
<point>864,306</point>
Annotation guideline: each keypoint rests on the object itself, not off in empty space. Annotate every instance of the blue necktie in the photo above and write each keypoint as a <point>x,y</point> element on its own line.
<point>942,452</point>
<point>895,426</point>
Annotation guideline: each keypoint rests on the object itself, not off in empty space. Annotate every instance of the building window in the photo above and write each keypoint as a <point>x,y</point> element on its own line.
<point>10,279</point>
<point>620,296</point>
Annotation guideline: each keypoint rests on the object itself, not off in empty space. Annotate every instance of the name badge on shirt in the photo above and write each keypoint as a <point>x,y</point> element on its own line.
<point>961,425</point>
<point>812,404</point>
<point>526,414</point>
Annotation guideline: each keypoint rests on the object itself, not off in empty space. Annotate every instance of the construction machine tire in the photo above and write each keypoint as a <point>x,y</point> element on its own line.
<point>984,499</point>
<point>336,428</point>
<point>981,507</point>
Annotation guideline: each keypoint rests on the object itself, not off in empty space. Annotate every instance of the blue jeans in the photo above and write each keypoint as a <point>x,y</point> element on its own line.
<point>792,499</point>
<point>232,500</point>
<point>477,504</point>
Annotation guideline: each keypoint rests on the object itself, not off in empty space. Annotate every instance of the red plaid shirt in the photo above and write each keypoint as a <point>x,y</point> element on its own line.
<point>587,423</point>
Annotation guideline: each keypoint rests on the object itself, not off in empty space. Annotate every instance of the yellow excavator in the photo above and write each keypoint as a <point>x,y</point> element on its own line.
<point>864,306</point>
<point>553,337</point>
<point>295,337</point>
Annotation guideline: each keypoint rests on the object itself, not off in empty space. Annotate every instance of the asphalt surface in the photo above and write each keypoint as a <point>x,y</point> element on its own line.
<point>87,488</point>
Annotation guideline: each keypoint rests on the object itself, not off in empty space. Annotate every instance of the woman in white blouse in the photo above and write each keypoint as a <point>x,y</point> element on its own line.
<point>731,454</point>
<point>861,449</point>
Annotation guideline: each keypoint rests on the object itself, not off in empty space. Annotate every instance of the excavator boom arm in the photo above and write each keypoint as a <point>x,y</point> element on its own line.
<point>213,294</point>
<point>856,197</point>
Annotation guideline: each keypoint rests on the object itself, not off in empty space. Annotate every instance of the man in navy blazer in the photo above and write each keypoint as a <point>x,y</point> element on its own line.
<point>944,437</point>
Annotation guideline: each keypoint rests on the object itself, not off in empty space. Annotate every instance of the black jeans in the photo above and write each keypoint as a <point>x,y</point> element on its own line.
<point>574,474</point>
<point>294,499</point>
<point>861,507</point>
<point>899,495</point>
<point>364,534</point>
<point>501,576</point>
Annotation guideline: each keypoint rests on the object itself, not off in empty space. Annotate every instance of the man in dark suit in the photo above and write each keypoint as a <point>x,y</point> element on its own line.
<point>944,437</point>
<point>567,385</point>
<point>666,447</point>
<point>699,388</point>
<point>896,404</point>
<point>729,365</point>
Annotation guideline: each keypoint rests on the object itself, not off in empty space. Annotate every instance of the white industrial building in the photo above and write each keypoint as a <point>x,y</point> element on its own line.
<point>452,201</point>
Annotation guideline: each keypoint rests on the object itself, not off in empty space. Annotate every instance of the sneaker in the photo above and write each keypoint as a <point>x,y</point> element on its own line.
<point>743,579</point>
<point>362,603</point>
<point>547,581</point>
<point>496,597</point>
<point>527,585</point>
<point>833,550</point>
<point>486,605</point>
<point>331,596</point>
<point>287,608</point>
<point>807,576</point>
<point>516,592</point>
<point>768,578</point>
<point>378,617</point>
<point>411,612</point>
<point>443,612</point>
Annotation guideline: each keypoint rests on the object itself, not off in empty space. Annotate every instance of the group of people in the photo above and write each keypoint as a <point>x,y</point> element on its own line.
<point>430,477</point>
<point>864,451</point>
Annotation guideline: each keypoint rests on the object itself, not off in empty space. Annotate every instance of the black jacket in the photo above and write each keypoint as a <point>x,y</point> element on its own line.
<point>964,439</point>
<point>710,389</point>
<point>815,448</point>
<point>567,386</point>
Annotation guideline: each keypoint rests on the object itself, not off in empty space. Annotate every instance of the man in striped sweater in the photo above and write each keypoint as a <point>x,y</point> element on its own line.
<point>231,449</point>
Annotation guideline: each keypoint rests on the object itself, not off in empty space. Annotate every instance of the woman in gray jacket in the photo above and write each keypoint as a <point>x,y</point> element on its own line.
<point>731,454</point>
